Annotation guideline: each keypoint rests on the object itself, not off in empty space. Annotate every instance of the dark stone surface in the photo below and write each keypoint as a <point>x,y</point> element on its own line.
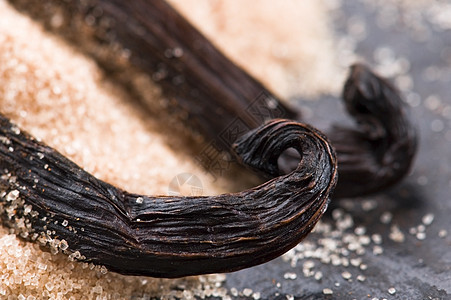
<point>411,44</point>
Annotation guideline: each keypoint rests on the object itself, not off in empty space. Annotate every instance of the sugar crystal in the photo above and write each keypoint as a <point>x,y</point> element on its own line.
<point>327,291</point>
<point>428,219</point>
<point>13,195</point>
<point>247,292</point>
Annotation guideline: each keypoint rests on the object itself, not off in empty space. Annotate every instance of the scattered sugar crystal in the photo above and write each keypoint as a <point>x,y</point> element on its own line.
<point>290,275</point>
<point>377,238</point>
<point>15,130</point>
<point>65,223</point>
<point>309,264</point>
<point>346,275</point>
<point>247,292</point>
<point>361,278</point>
<point>76,255</point>
<point>5,140</point>
<point>364,240</point>
<point>318,275</point>
<point>377,250</point>
<point>335,260</point>
<point>356,262</point>
<point>139,200</point>
<point>345,223</point>
<point>327,291</point>
<point>396,234</point>
<point>421,236</point>
<point>353,246</point>
<point>442,233</point>
<point>27,209</point>
<point>308,272</point>
<point>386,217</point>
<point>421,228</point>
<point>428,219</point>
<point>360,230</point>
<point>256,296</point>
<point>13,195</point>
<point>392,291</point>
<point>368,205</point>
<point>63,245</point>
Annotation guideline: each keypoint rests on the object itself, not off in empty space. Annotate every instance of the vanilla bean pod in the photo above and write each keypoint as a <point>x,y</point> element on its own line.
<point>46,197</point>
<point>379,152</point>
<point>214,94</point>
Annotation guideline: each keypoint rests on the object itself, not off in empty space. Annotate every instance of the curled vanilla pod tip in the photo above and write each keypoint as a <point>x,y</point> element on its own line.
<point>47,198</point>
<point>380,150</point>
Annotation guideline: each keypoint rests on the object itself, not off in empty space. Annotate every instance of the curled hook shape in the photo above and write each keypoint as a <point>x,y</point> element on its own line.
<point>380,150</point>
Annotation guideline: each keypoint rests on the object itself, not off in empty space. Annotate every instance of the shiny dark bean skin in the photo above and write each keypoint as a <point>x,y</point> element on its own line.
<point>165,236</point>
<point>379,151</point>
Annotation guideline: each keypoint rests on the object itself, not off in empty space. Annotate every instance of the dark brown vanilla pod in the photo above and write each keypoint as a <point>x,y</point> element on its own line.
<point>49,199</point>
<point>380,151</point>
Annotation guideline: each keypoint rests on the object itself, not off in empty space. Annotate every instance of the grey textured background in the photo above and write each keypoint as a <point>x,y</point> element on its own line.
<point>413,46</point>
